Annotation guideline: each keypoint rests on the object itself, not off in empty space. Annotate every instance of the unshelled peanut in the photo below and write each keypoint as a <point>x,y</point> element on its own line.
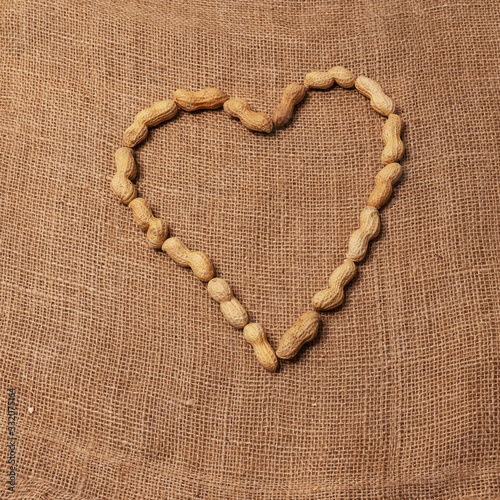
<point>259,122</point>
<point>292,95</point>
<point>200,264</point>
<point>123,188</point>
<point>126,171</point>
<point>380,102</point>
<point>333,296</point>
<point>391,135</point>
<point>230,307</point>
<point>157,229</point>
<point>304,330</point>
<point>159,112</point>
<point>210,98</point>
<point>125,162</point>
<point>142,213</point>
<point>319,80</point>
<point>383,185</point>
<point>325,80</point>
<point>369,228</point>
<point>255,336</point>
<point>343,77</point>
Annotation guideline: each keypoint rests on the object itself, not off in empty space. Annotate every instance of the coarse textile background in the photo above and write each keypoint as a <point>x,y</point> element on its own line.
<point>139,388</point>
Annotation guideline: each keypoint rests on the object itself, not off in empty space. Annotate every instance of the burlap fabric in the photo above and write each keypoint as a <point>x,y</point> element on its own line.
<point>140,388</point>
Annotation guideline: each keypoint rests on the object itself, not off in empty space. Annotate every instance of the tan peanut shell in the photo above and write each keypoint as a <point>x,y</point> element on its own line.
<point>157,232</point>
<point>369,228</point>
<point>142,212</point>
<point>200,264</point>
<point>304,330</point>
<point>157,229</point>
<point>391,132</point>
<point>380,102</point>
<point>125,162</point>
<point>319,80</point>
<point>239,108</point>
<point>255,336</point>
<point>123,188</point>
<point>343,77</point>
<point>292,95</point>
<point>333,296</point>
<point>326,79</point>
<point>135,134</point>
<point>383,185</point>
<point>232,310</point>
<point>210,98</point>
<point>126,171</point>
<point>159,112</point>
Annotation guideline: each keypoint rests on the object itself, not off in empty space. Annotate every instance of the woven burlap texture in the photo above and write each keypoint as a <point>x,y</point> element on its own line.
<point>140,388</point>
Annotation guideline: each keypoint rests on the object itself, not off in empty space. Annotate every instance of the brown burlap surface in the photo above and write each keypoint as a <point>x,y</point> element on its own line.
<point>139,387</point>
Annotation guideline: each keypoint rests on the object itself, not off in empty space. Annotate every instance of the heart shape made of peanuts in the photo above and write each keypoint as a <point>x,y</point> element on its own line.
<point>306,327</point>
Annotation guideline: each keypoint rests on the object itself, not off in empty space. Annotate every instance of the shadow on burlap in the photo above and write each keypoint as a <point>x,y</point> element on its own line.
<point>139,387</point>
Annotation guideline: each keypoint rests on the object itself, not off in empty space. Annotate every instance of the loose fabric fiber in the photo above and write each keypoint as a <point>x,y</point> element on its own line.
<point>129,382</point>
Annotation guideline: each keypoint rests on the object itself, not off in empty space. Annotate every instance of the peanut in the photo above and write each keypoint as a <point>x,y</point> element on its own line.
<point>157,229</point>
<point>324,80</point>
<point>125,163</point>
<point>333,296</point>
<point>380,102</point>
<point>157,232</point>
<point>123,188</point>
<point>292,95</point>
<point>394,147</point>
<point>304,330</point>
<point>343,77</point>
<point>197,261</point>
<point>142,213</point>
<point>383,185</point>
<point>232,310</point>
<point>369,228</point>
<point>210,98</point>
<point>239,108</point>
<point>255,336</point>
<point>126,171</point>
<point>319,80</point>
<point>159,112</point>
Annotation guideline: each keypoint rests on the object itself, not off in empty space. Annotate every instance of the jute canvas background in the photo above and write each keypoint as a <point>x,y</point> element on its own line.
<point>140,389</point>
